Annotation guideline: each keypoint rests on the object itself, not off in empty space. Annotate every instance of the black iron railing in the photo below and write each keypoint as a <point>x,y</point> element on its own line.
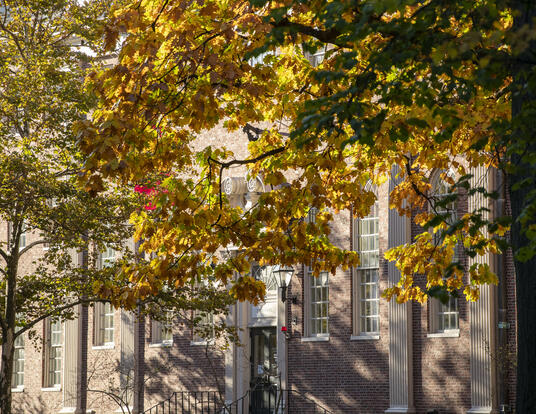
<point>271,400</point>
<point>189,402</point>
<point>259,400</point>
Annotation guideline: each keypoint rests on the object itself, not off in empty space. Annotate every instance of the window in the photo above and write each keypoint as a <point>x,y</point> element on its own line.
<point>107,257</point>
<point>203,330</point>
<point>367,275</point>
<point>103,321</point>
<point>162,331</point>
<point>319,303</point>
<point>316,296</point>
<point>22,239</point>
<point>260,59</point>
<point>266,275</point>
<point>18,363</point>
<point>53,353</point>
<point>315,59</point>
<point>444,317</point>
<point>103,313</point>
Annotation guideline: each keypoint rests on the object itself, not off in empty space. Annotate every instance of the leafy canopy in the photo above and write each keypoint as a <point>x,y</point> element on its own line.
<point>406,87</point>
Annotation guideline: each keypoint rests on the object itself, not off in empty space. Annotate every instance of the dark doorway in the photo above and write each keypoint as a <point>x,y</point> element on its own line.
<point>263,370</point>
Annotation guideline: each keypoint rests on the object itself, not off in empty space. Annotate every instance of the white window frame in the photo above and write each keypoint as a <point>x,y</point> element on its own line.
<point>103,325</point>
<point>18,363</point>
<point>366,291</point>
<point>315,59</point>
<point>207,319</point>
<point>53,353</point>
<point>104,312</point>
<point>22,239</point>
<point>162,331</point>
<point>439,312</point>
<point>316,304</point>
<point>108,257</point>
<point>314,328</point>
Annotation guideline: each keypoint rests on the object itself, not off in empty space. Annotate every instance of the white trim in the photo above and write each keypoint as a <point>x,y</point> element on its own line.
<point>481,410</point>
<point>202,343</point>
<point>454,333</point>
<point>18,389</point>
<point>315,339</point>
<point>50,389</point>
<point>401,410</point>
<point>164,344</point>
<point>364,337</point>
<point>105,346</point>
<point>263,322</point>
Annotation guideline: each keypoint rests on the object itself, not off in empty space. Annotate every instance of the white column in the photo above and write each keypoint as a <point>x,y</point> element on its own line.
<point>230,361</point>
<point>127,354</point>
<point>70,363</point>
<point>482,316</point>
<point>400,335</point>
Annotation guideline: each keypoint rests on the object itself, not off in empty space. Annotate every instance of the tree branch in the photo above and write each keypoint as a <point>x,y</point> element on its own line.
<point>325,36</point>
<point>52,312</point>
<point>4,255</point>
<point>33,244</point>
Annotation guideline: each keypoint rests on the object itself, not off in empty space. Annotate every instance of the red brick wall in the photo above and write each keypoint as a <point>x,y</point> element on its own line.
<point>181,367</point>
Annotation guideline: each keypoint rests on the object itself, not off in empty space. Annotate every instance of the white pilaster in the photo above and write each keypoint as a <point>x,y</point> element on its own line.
<point>70,369</point>
<point>127,353</point>
<point>482,317</point>
<point>400,335</point>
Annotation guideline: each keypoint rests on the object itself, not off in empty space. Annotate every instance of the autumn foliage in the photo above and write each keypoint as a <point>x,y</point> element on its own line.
<point>346,93</point>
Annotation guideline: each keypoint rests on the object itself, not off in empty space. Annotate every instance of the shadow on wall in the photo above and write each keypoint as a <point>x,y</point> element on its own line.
<point>35,405</point>
<point>340,375</point>
<point>352,376</point>
<point>441,366</point>
<point>183,367</point>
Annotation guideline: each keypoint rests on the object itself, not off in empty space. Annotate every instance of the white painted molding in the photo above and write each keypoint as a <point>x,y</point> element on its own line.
<point>455,333</point>
<point>315,339</point>
<point>364,337</point>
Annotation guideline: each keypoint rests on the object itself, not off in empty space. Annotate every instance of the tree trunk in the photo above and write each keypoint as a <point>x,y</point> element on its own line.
<point>526,316</point>
<point>8,349</point>
<point>8,335</point>
<point>524,101</point>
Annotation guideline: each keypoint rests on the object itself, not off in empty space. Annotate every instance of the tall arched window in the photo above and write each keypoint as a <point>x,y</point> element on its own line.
<point>367,275</point>
<point>444,318</point>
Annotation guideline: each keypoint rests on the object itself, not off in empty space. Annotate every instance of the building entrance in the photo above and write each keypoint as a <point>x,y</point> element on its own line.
<point>264,381</point>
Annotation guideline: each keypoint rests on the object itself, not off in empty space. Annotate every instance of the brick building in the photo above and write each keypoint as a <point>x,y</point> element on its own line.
<point>333,342</point>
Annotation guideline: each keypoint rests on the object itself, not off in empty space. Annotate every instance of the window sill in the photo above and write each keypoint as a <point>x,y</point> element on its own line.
<point>364,337</point>
<point>51,389</point>
<point>17,389</point>
<point>201,343</point>
<point>455,333</point>
<point>315,339</point>
<point>161,345</point>
<point>98,347</point>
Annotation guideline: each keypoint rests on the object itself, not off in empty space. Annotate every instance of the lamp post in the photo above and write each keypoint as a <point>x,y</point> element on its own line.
<point>283,274</point>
